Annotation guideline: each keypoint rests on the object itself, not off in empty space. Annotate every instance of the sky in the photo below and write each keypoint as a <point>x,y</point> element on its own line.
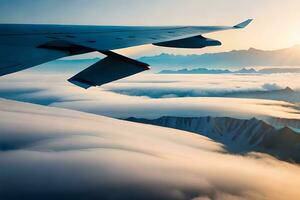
<point>276,23</point>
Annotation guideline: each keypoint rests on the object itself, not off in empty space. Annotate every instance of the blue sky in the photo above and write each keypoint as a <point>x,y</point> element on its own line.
<point>276,25</point>
<point>123,12</point>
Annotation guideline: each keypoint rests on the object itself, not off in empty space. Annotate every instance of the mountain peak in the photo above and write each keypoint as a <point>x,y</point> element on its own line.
<point>253,49</point>
<point>238,135</point>
<point>235,58</point>
<point>288,89</point>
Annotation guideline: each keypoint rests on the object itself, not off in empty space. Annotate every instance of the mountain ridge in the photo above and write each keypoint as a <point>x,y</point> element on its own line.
<point>244,70</point>
<point>235,58</point>
<point>238,135</point>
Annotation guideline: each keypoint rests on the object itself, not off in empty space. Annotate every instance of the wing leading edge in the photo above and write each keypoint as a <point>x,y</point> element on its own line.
<point>24,46</point>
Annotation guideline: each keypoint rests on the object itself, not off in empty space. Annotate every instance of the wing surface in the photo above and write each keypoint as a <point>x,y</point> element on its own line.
<point>109,69</point>
<point>24,46</point>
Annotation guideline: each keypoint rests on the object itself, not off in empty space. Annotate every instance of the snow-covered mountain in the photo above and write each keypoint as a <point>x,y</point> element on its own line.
<point>227,71</point>
<point>209,71</point>
<point>238,136</point>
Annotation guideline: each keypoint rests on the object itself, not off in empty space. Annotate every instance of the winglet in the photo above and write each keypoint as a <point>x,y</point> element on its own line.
<point>243,24</point>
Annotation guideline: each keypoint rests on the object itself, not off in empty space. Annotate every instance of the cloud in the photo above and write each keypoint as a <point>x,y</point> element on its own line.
<point>271,86</point>
<point>216,85</point>
<point>53,153</point>
<point>54,90</point>
<point>74,155</point>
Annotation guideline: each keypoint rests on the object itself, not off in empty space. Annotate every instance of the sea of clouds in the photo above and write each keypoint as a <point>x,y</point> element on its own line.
<point>60,153</point>
<point>54,90</point>
<point>205,85</point>
<point>53,153</point>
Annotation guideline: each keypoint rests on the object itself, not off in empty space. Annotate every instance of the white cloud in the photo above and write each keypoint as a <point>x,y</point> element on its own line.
<point>67,154</point>
<point>54,90</point>
<point>55,150</point>
<point>271,86</point>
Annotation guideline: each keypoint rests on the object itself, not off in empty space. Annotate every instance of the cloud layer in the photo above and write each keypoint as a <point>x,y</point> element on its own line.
<point>205,85</point>
<point>51,153</point>
<point>54,90</point>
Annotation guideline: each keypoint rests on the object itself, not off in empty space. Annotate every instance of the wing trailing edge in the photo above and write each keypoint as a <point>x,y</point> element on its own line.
<point>109,69</point>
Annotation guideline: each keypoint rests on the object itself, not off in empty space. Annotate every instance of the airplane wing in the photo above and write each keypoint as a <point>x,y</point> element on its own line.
<point>25,46</point>
<point>111,68</point>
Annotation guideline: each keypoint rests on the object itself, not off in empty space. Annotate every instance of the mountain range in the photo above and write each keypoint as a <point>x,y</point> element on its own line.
<point>236,58</point>
<point>238,135</point>
<point>227,71</point>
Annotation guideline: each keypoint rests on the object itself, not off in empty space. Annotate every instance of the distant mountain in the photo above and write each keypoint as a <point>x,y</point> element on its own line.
<point>208,71</point>
<point>236,58</point>
<point>238,135</point>
<point>226,71</point>
<point>286,94</point>
<point>245,71</point>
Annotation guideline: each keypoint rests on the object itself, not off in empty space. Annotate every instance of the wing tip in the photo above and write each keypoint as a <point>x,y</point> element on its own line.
<point>147,67</point>
<point>244,24</point>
